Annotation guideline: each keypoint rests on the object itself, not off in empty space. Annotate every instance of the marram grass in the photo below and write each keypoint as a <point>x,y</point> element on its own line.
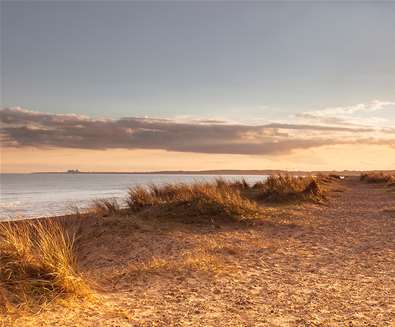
<point>37,263</point>
<point>289,188</point>
<point>215,200</point>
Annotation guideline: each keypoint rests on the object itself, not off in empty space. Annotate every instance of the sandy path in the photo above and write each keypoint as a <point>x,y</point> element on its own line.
<point>309,265</point>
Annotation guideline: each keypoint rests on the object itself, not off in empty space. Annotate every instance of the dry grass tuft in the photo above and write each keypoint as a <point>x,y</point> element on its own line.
<point>194,260</point>
<point>284,188</point>
<point>204,200</point>
<point>201,260</point>
<point>105,207</point>
<point>391,181</point>
<point>378,178</point>
<point>37,264</point>
<point>239,184</point>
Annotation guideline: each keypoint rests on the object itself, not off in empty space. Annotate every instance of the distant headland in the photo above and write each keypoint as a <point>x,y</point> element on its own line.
<point>220,172</point>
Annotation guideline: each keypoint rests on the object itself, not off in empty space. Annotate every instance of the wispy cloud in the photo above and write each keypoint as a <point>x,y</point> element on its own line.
<point>22,128</point>
<point>358,114</point>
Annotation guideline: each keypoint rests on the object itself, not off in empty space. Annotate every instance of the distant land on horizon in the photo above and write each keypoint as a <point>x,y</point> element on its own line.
<point>221,172</point>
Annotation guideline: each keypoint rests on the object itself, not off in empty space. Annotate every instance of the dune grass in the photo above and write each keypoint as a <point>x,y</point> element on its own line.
<point>37,264</point>
<point>283,188</point>
<point>233,200</point>
<point>105,207</point>
<point>378,178</point>
<point>218,200</point>
<point>239,184</point>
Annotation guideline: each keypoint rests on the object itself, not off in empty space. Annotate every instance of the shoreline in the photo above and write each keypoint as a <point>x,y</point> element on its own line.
<point>120,200</point>
<point>235,172</point>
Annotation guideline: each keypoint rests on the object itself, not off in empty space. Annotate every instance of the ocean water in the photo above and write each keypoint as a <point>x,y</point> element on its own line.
<point>39,195</point>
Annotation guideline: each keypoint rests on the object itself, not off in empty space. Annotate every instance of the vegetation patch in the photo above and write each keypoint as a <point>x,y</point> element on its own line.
<point>283,188</point>
<point>378,178</point>
<point>37,264</point>
<point>105,207</point>
<point>211,201</point>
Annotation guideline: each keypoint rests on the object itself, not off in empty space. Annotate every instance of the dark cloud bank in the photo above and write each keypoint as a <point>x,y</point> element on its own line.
<point>22,128</point>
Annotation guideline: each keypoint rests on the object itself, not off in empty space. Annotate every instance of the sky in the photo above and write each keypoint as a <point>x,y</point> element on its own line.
<point>140,86</point>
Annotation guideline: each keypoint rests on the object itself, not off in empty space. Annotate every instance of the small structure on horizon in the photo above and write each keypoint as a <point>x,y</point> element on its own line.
<point>73,171</point>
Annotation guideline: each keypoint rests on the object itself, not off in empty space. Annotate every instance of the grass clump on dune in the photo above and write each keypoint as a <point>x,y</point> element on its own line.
<point>283,188</point>
<point>203,200</point>
<point>378,178</point>
<point>239,184</point>
<point>37,264</point>
<point>105,207</point>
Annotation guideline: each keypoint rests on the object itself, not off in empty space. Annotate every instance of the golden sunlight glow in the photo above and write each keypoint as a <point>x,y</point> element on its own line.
<point>336,157</point>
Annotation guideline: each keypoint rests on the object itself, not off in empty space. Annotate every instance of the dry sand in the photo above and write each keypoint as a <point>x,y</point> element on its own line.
<point>302,265</point>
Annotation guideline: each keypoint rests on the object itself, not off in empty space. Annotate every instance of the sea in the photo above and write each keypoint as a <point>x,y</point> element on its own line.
<point>41,195</point>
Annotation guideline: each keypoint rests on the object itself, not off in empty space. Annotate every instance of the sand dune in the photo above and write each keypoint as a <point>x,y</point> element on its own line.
<point>300,264</point>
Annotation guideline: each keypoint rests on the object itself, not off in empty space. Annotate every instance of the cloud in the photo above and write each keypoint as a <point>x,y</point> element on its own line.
<point>358,114</point>
<point>25,128</point>
<point>373,106</point>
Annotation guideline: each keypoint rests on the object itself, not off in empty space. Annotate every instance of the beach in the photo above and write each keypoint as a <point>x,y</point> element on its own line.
<point>197,163</point>
<point>301,264</point>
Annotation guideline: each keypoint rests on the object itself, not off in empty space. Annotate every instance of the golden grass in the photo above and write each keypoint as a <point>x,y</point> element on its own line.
<point>206,200</point>
<point>37,264</point>
<point>105,207</point>
<point>202,260</point>
<point>283,188</point>
<point>199,259</point>
<point>239,184</point>
<point>378,178</point>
